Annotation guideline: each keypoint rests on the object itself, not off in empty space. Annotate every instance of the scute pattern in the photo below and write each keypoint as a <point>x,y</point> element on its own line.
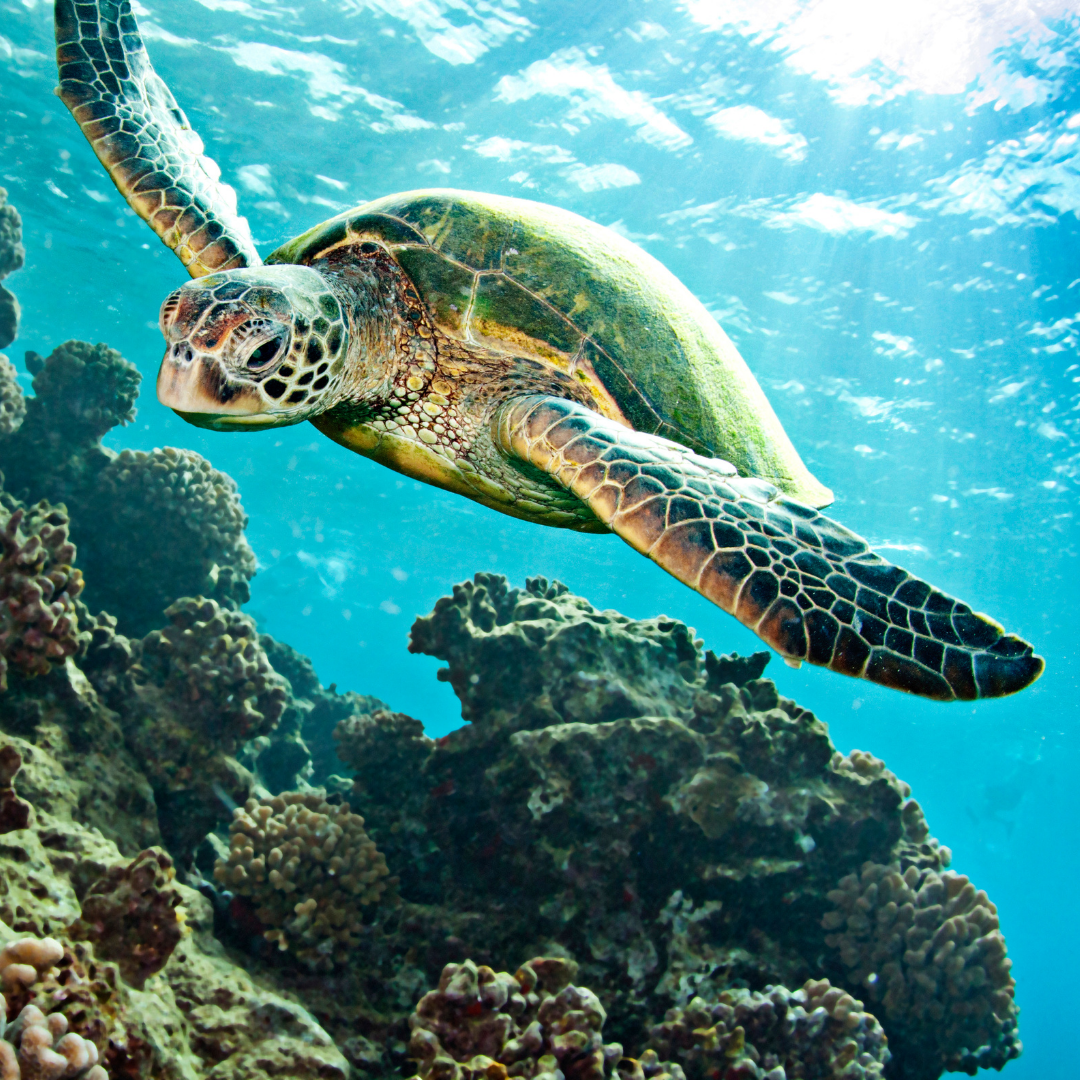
<point>526,280</point>
<point>143,139</point>
<point>809,587</point>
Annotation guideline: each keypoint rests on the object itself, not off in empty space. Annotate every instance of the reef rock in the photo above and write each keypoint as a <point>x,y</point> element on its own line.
<point>660,815</point>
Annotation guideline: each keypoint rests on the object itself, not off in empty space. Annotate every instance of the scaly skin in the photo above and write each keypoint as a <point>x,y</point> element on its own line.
<point>348,342</point>
<point>143,138</point>
<point>807,586</point>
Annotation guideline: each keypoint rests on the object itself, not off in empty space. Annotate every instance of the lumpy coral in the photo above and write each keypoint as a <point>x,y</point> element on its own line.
<point>927,951</point>
<point>81,391</point>
<point>12,402</point>
<point>819,1032</point>
<point>36,1046</point>
<point>12,257</point>
<point>204,688</point>
<point>485,1025</point>
<point>168,510</point>
<point>39,625</point>
<point>131,914</point>
<point>309,867</point>
<point>209,659</point>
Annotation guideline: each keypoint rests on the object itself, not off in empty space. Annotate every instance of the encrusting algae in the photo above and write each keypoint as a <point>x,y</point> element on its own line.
<point>211,866</point>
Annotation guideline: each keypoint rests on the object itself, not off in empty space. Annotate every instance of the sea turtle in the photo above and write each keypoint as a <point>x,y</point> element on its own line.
<point>521,356</point>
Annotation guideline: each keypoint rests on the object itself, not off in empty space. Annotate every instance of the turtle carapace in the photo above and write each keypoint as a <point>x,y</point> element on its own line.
<point>521,356</point>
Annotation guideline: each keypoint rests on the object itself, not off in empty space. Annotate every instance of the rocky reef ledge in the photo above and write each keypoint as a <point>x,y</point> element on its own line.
<point>634,860</point>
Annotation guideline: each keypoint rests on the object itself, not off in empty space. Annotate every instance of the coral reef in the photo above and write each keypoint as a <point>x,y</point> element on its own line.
<point>927,948</point>
<point>12,257</point>
<point>816,1033</point>
<point>199,1015</point>
<point>173,506</point>
<point>672,837</point>
<point>39,626</point>
<point>12,403</point>
<point>131,914</point>
<point>126,509</point>
<point>205,687</point>
<point>482,1024</point>
<point>310,868</point>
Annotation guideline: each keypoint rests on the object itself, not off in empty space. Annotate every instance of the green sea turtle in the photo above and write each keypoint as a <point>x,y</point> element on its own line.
<point>521,356</point>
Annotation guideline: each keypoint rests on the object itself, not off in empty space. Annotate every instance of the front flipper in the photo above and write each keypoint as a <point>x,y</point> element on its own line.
<point>143,139</point>
<point>810,588</point>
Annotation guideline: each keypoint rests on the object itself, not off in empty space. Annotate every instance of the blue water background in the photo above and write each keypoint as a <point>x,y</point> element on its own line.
<point>879,205</point>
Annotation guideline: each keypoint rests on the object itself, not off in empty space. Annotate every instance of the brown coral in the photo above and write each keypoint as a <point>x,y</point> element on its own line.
<point>927,949</point>
<point>816,1033</point>
<point>310,867</point>
<point>38,586</point>
<point>12,402</point>
<point>170,510</point>
<point>12,257</point>
<point>485,1025</point>
<point>132,915</point>
<point>15,813</point>
<point>210,662</point>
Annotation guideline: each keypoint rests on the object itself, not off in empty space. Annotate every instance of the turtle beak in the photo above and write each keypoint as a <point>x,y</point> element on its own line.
<point>199,391</point>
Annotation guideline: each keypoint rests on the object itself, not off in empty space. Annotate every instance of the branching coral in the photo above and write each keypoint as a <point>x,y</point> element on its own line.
<point>36,1046</point>
<point>816,1033</point>
<point>12,402</point>
<point>927,949</point>
<point>485,1025</point>
<point>131,914</point>
<point>309,867</point>
<point>38,587</point>
<point>164,524</point>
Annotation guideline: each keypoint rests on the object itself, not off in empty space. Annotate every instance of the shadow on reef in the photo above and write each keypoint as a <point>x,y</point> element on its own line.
<point>213,866</point>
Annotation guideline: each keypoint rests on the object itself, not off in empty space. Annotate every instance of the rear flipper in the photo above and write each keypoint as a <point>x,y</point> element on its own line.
<point>806,585</point>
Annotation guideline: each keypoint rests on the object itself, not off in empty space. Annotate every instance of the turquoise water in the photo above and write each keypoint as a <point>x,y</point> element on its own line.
<point>880,210</point>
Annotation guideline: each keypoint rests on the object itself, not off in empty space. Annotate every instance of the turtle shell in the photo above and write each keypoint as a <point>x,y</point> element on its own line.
<point>532,280</point>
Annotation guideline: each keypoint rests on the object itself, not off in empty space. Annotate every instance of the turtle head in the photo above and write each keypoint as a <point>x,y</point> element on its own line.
<point>254,348</point>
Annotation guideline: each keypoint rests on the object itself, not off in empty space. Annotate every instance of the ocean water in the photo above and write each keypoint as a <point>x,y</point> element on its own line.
<point>879,204</point>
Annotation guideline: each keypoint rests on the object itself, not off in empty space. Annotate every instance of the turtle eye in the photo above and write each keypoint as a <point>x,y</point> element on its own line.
<point>264,354</point>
